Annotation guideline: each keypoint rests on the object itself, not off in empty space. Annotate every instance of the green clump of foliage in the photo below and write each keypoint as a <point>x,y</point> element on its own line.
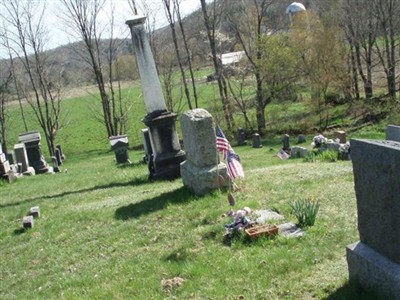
<point>305,210</point>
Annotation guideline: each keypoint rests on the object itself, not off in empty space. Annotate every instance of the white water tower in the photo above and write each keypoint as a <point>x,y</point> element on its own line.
<point>293,9</point>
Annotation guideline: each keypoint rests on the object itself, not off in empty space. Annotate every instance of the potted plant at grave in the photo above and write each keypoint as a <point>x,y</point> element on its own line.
<point>305,210</point>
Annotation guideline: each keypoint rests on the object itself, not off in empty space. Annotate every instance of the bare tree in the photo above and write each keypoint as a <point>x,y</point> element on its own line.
<point>187,50</point>
<point>361,29</point>
<point>387,13</point>
<point>83,17</point>
<point>249,30</point>
<point>27,38</point>
<point>4,98</point>
<point>170,11</point>
<point>6,44</point>
<point>212,14</point>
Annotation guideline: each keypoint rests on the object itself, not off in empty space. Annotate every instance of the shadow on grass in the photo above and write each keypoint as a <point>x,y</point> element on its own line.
<point>135,210</point>
<point>134,182</point>
<point>353,292</point>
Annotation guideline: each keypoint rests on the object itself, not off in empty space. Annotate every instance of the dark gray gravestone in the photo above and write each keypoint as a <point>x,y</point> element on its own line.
<point>393,133</point>
<point>241,137</point>
<point>61,152</point>
<point>374,262</point>
<point>286,142</point>
<point>58,157</point>
<point>10,158</point>
<point>56,167</point>
<point>301,138</point>
<point>256,140</point>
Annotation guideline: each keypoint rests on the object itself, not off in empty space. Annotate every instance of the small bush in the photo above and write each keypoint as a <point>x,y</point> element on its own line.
<point>305,211</point>
<point>328,156</point>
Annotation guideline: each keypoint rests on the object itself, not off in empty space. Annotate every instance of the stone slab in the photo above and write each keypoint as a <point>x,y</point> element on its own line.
<point>373,271</point>
<point>265,215</point>
<point>298,151</point>
<point>290,230</point>
<point>204,180</point>
<point>21,156</point>
<point>28,137</point>
<point>376,168</point>
<point>393,133</point>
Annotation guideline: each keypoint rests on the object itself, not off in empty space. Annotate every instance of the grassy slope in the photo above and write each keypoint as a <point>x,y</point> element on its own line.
<point>106,232</point>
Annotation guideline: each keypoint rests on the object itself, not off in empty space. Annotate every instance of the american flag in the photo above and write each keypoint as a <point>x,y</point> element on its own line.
<point>235,168</point>
<point>222,142</point>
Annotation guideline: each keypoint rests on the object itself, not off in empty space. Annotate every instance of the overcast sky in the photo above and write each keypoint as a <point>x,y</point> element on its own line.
<point>60,35</point>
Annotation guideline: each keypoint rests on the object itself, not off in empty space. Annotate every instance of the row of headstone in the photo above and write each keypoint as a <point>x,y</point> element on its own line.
<point>27,158</point>
<point>241,138</point>
<point>339,145</point>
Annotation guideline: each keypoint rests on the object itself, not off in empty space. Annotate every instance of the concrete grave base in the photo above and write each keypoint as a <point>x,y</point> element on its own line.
<point>206,179</point>
<point>373,271</point>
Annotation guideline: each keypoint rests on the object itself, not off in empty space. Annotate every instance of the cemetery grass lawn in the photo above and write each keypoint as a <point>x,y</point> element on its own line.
<point>106,232</point>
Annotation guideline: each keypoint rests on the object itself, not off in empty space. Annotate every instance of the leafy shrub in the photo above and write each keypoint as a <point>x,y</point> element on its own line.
<point>328,156</point>
<point>305,211</point>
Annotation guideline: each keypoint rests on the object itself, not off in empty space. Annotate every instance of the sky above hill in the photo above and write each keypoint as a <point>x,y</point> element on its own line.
<point>60,34</point>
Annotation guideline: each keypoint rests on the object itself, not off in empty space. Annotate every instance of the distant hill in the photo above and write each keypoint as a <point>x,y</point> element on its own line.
<point>68,65</point>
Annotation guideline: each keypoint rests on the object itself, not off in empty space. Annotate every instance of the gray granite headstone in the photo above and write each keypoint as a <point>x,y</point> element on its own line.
<point>393,133</point>
<point>376,168</point>
<point>241,137</point>
<point>301,138</point>
<point>256,140</point>
<point>286,142</point>
<point>201,171</point>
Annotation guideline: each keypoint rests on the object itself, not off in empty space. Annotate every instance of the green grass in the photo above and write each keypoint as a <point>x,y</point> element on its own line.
<point>106,232</point>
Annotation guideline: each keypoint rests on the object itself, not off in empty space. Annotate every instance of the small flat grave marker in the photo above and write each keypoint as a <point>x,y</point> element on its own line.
<point>28,222</point>
<point>35,212</point>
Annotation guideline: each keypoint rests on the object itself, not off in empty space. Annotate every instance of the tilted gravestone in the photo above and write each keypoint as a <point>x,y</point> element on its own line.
<point>374,261</point>
<point>120,145</point>
<point>34,151</point>
<point>393,133</point>
<point>201,171</point>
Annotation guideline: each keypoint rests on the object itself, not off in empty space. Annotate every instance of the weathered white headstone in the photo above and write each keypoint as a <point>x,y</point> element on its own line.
<point>202,171</point>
